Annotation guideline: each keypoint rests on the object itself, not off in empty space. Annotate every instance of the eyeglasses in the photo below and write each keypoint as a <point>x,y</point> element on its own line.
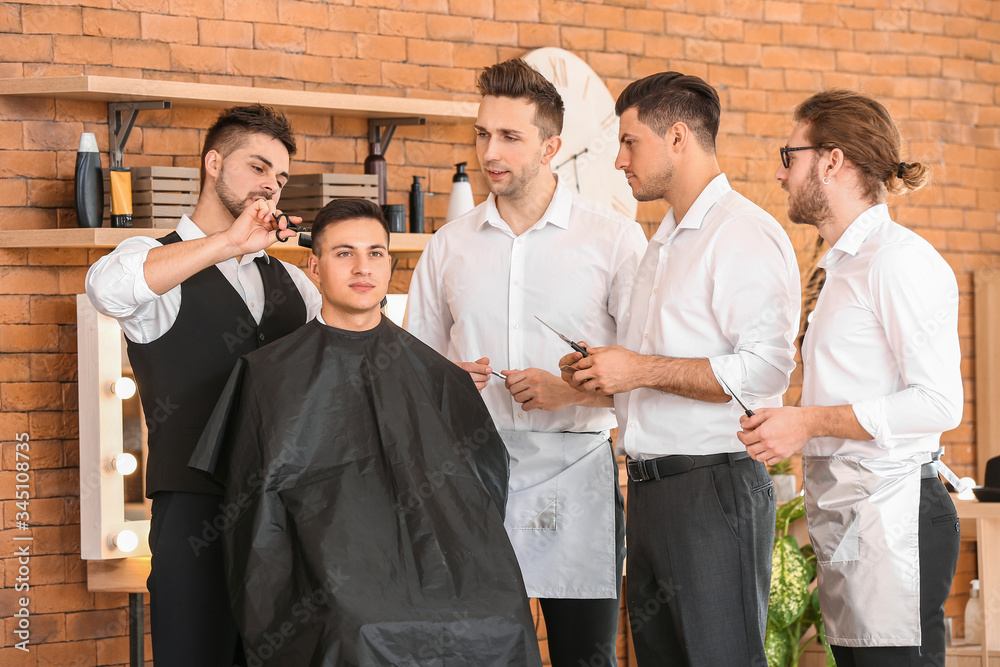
<point>785,151</point>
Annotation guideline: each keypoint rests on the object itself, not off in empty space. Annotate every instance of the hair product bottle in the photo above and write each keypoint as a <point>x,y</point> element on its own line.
<point>89,183</point>
<point>416,207</point>
<point>461,194</point>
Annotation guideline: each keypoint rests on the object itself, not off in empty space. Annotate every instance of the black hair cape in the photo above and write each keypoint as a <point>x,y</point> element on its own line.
<point>365,485</point>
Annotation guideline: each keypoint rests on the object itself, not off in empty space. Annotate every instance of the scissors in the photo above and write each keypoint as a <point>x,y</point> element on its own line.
<point>291,226</point>
<point>736,396</point>
<point>572,344</point>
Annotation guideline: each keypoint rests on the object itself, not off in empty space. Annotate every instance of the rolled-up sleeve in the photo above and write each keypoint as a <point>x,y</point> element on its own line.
<point>116,283</point>
<point>915,296</point>
<point>756,301</point>
<point>116,286</point>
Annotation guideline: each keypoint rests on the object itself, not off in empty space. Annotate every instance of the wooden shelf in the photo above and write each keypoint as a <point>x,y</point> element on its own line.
<point>117,89</point>
<point>104,237</point>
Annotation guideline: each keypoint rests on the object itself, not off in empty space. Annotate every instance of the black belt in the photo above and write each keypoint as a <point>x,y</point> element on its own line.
<point>928,471</point>
<point>643,471</point>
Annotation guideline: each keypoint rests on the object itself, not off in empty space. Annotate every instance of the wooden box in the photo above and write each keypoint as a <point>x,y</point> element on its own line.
<point>306,194</point>
<point>160,195</point>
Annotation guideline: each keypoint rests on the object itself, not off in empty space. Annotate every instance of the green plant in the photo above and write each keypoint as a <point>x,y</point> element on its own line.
<point>783,467</point>
<point>792,608</point>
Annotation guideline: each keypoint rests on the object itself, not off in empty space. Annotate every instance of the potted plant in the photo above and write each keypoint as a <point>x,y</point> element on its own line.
<point>784,481</point>
<point>792,608</point>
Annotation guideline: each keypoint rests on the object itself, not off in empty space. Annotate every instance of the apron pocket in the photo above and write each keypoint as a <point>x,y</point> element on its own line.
<point>832,502</point>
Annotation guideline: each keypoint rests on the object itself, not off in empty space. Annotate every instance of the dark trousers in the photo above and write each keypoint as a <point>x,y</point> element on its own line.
<point>584,633</point>
<point>699,566</point>
<point>190,617</point>
<point>938,537</point>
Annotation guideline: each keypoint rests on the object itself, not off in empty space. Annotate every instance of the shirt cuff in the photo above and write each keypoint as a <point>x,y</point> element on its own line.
<point>728,370</point>
<point>871,414</point>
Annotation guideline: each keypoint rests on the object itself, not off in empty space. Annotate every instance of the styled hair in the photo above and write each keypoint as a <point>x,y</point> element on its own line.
<point>518,80</point>
<point>235,124</point>
<point>666,98</point>
<point>338,210</point>
<point>862,128</point>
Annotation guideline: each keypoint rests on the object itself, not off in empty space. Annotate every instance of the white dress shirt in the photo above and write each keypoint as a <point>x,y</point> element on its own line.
<point>722,284</point>
<point>116,285</point>
<point>477,289</point>
<point>884,339</point>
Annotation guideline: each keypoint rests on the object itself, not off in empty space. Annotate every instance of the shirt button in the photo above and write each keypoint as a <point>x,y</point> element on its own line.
<point>645,335</point>
<point>520,415</point>
<point>261,336</point>
<point>515,326</point>
<point>516,283</point>
<point>656,290</point>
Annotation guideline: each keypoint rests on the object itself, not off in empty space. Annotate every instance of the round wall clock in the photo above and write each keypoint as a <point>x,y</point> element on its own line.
<point>586,161</point>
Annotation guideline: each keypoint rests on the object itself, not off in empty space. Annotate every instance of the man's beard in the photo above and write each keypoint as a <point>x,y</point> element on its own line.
<point>810,206</point>
<point>657,186</point>
<point>517,185</point>
<point>231,201</point>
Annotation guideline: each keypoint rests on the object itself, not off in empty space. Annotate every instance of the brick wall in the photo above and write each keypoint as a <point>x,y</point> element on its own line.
<point>934,63</point>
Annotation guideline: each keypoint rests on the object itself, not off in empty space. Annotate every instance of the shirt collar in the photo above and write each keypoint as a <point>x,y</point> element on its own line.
<point>189,231</point>
<point>857,233</point>
<point>695,215</point>
<point>557,213</point>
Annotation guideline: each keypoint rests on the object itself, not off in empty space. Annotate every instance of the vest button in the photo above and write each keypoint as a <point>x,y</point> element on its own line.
<point>261,336</point>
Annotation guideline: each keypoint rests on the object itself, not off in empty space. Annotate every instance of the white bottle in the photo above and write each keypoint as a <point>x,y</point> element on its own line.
<point>461,200</point>
<point>974,616</point>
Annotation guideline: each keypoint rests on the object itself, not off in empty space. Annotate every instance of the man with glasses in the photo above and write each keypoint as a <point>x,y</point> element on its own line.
<point>882,381</point>
<point>713,315</point>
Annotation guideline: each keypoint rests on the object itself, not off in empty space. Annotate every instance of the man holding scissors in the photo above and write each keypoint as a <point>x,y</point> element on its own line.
<point>535,248</point>
<point>882,381</point>
<point>190,304</point>
<point>715,304</point>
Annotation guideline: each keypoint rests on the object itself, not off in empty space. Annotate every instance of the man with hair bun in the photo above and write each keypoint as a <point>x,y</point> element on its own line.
<point>881,383</point>
<point>536,248</point>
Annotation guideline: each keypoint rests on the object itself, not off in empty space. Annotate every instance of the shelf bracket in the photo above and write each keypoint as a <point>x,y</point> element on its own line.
<point>121,120</point>
<point>376,125</point>
<point>378,143</point>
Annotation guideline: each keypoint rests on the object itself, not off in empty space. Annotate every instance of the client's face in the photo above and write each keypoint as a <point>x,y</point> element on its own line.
<point>353,272</point>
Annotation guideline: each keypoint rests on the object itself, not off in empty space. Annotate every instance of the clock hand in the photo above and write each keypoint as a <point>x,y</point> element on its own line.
<point>571,157</point>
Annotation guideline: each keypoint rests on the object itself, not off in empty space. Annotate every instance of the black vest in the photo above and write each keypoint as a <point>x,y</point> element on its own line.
<point>182,373</point>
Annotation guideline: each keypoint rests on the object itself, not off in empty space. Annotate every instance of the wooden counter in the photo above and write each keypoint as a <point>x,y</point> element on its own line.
<point>984,520</point>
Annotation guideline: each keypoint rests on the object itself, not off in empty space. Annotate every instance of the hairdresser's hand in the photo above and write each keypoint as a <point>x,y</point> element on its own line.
<point>479,370</point>
<point>257,228</point>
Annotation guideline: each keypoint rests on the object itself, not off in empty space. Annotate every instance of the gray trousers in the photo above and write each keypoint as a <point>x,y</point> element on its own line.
<point>699,566</point>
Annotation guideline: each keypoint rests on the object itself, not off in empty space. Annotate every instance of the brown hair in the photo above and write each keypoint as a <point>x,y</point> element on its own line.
<point>338,210</point>
<point>520,81</point>
<point>863,129</point>
<point>235,124</point>
<point>666,98</point>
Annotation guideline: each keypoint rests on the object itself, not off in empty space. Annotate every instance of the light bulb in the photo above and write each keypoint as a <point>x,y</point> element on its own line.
<point>124,540</point>
<point>966,493</point>
<point>124,463</point>
<point>123,388</point>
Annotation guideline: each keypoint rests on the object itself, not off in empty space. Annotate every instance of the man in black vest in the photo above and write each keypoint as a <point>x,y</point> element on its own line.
<point>182,350</point>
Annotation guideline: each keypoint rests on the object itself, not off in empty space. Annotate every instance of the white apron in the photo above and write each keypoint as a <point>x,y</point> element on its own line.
<point>863,522</point>
<point>561,513</point>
